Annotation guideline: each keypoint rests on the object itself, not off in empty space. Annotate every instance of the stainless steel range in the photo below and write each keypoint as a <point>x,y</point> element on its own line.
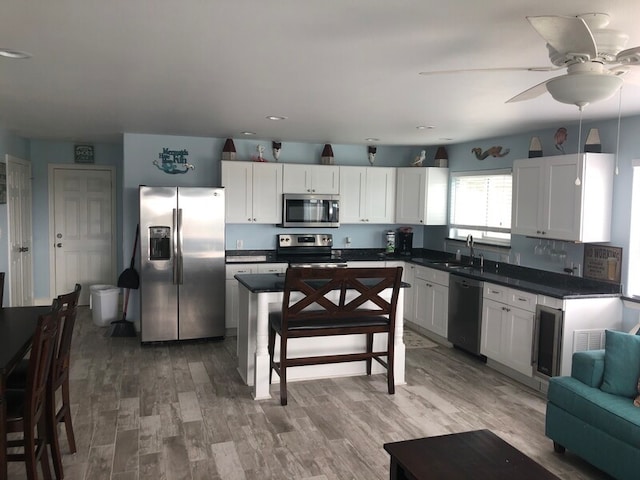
<point>308,250</point>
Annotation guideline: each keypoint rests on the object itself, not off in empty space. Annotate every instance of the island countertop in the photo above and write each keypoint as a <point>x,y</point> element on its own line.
<point>269,282</point>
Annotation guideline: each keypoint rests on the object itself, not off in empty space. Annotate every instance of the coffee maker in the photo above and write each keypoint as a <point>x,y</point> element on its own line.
<point>404,243</point>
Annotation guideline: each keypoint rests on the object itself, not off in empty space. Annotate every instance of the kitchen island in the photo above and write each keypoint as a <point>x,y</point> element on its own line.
<point>261,293</point>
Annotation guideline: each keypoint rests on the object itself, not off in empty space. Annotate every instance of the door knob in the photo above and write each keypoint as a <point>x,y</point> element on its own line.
<point>59,245</point>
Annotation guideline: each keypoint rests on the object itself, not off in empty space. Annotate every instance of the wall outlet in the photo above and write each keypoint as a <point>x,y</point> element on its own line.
<point>239,244</point>
<point>517,258</point>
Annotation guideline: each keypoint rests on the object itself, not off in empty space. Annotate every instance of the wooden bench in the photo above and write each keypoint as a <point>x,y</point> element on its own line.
<point>360,308</point>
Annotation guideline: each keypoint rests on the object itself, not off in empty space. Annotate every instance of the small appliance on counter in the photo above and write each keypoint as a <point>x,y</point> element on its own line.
<point>404,241</point>
<point>307,250</point>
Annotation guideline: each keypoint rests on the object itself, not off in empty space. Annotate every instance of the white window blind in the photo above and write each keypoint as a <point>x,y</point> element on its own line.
<point>481,205</point>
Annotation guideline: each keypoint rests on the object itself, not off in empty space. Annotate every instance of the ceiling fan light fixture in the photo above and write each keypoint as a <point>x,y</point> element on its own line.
<point>583,89</point>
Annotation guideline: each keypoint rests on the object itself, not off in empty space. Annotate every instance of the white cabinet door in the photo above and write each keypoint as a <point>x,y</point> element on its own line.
<point>380,194</point>
<point>237,178</point>
<point>421,195</point>
<point>432,300</point>
<point>299,178</point>
<point>561,214</point>
<point>439,310</point>
<point>528,194</point>
<point>253,192</point>
<point>367,195</point>
<point>491,343</point>
<point>325,179</point>
<point>409,276</point>
<point>267,193</point>
<point>519,340</point>
<point>231,293</point>
<point>352,196</point>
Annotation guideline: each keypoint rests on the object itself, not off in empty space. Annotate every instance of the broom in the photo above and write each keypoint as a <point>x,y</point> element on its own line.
<point>128,279</point>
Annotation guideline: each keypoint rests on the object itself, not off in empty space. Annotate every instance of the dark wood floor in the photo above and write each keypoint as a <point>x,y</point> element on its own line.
<point>180,411</point>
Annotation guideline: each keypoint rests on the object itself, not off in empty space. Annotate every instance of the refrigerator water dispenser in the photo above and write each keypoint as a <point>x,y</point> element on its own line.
<point>159,243</point>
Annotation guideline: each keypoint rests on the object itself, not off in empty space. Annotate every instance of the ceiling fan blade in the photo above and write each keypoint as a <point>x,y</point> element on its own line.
<point>495,69</point>
<point>566,35</point>
<point>630,56</point>
<point>530,93</point>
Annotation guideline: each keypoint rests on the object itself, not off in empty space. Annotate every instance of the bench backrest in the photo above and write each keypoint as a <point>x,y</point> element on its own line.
<point>340,293</point>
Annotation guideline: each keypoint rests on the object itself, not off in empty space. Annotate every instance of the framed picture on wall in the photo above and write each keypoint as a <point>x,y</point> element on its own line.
<point>3,183</point>
<point>83,154</point>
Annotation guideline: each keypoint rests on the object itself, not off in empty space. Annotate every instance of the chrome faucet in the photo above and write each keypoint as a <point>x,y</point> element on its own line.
<point>470,245</point>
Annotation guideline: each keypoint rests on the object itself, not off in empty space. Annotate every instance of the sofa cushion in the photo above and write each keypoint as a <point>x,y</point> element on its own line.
<point>621,364</point>
<point>613,414</point>
<point>588,367</point>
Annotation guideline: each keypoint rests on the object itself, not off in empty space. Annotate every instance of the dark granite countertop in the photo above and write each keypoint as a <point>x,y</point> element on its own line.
<point>269,282</point>
<point>522,278</point>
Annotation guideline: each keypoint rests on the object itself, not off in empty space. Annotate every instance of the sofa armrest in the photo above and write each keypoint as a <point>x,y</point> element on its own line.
<point>588,367</point>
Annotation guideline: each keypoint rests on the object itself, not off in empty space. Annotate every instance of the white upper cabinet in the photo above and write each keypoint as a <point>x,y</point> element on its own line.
<point>253,192</point>
<point>367,194</point>
<point>322,179</point>
<point>421,195</point>
<point>548,202</point>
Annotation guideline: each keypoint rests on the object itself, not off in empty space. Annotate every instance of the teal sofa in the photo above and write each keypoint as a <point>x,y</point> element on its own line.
<point>591,413</point>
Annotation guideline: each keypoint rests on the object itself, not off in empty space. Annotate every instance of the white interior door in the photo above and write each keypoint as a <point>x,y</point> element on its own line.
<point>19,281</point>
<point>83,228</point>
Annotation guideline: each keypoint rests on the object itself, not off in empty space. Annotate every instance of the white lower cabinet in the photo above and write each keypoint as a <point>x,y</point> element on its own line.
<point>431,300</point>
<point>231,287</point>
<point>508,318</point>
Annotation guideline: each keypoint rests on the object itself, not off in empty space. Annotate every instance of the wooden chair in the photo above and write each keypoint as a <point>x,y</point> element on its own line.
<point>26,409</point>
<point>58,379</point>
<point>360,308</point>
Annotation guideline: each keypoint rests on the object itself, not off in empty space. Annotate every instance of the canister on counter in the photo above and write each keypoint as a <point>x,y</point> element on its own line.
<point>391,241</point>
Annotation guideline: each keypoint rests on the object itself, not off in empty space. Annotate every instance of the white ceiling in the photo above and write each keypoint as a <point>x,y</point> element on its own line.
<point>340,70</point>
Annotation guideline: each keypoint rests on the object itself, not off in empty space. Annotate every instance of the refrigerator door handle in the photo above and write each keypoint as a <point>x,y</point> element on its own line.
<point>179,257</point>
<point>174,246</point>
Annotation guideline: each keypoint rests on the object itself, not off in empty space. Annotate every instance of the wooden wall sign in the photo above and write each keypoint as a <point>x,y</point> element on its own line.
<point>602,263</point>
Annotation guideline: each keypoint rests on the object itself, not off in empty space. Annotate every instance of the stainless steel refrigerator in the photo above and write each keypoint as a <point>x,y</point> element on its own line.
<point>182,270</point>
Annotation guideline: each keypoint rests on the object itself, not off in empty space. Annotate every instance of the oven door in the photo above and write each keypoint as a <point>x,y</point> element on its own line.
<point>547,347</point>
<point>310,210</point>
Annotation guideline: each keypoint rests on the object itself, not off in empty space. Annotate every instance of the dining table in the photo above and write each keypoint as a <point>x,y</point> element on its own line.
<point>17,327</point>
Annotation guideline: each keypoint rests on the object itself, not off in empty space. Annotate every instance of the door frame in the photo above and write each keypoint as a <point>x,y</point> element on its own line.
<point>52,240</point>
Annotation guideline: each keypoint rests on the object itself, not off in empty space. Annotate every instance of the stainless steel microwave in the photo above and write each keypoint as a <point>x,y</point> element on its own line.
<point>310,210</point>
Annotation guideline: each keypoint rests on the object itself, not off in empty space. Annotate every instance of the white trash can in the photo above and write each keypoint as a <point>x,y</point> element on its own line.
<point>104,304</point>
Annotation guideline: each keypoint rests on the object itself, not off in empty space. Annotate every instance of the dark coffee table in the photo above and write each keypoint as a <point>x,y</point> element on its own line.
<point>480,455</point>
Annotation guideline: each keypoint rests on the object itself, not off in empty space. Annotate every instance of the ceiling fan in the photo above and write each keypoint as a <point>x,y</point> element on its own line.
<point>583,46</point>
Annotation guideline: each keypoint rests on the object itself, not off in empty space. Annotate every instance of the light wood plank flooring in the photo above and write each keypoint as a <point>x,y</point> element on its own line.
<point>180,411</point>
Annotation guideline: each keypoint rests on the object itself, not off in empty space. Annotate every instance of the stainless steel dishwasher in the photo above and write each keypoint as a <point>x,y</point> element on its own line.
<point>465,313</point>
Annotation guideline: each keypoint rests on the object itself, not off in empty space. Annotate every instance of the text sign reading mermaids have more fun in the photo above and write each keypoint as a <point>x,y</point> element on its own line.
<point>173,161</point>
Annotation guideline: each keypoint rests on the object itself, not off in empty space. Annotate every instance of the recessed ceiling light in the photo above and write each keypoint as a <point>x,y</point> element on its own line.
<point>248,133</point>
<point>371,139</point>
<point>424,127</point>
<point>446,139</point>
<point>276,117</point>
<point>8,53</point>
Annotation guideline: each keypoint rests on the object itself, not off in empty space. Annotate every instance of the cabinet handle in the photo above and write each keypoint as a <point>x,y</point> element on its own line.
<point>522,299</point>
<point>254,219</point>
<point>495,291</point>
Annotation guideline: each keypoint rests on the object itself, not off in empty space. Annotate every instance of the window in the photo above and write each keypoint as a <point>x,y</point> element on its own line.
<point>481,206</point>
<point>633,275</point>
